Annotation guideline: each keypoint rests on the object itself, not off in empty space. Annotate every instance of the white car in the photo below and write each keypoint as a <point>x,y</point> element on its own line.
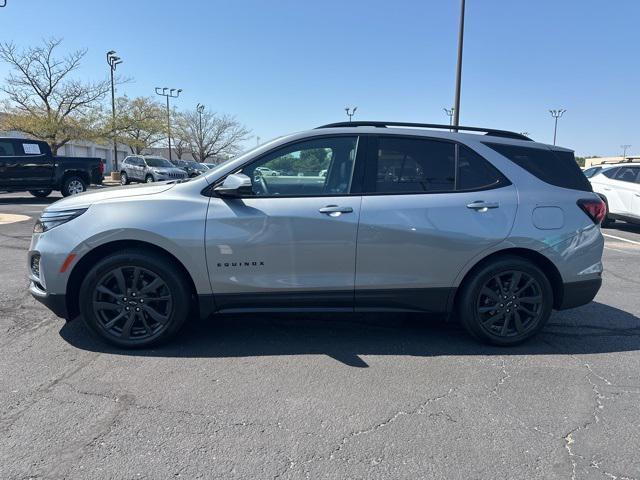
<point>619,187</point>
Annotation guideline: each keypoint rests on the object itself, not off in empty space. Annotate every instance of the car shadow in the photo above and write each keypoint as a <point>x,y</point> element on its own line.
<point>625,227</point>
<point>28,200</point>
<point>594,328</point>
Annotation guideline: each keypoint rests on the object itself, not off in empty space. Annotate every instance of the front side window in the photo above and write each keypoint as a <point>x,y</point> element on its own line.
<point>6,149</point>
<point>322,166</point>
<point>610,173</point>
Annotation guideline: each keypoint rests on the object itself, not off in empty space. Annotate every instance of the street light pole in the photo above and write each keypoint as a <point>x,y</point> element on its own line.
<point>113,62</point>
<point>168,94</point>
<point>200,110</point>
<point>456,106</point>
<point>556,114</point>
<point>449,112</point>
<point>350,111</point>
<point>624,151</point>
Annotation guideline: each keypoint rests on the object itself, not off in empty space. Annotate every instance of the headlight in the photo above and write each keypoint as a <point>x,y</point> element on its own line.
<point>48,220</point>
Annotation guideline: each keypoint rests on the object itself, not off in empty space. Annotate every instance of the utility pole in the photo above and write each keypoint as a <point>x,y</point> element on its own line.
<point>449,112</point>
<point>556,114</point>
<point>352,110</point>
<point>113,62</point>
<point>624,151</point>
<point>169,93</point>
<point>456,103</point>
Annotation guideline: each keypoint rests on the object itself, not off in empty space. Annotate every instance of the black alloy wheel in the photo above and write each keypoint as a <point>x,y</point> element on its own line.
<point>506,301</point>
<point>133,299</point>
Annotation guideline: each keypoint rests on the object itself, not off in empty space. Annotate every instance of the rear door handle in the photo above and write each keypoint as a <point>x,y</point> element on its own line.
<point>482,206</point>
<point>335,210</point>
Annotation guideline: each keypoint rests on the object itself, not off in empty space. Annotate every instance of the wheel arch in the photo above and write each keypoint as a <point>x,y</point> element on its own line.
<point>537,258</point>
<point>88,260</point>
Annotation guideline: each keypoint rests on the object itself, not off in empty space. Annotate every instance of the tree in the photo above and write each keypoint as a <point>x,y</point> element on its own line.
<point>179,134</point>
<point>43,98</point>
<point>140,122</point>
<point>219,135</point>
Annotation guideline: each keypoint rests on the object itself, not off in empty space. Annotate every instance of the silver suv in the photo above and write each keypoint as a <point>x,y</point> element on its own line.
<point>139,168</point>
<point>495,230</point>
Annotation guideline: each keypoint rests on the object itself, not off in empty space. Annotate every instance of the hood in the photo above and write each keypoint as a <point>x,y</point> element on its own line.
<point>107,193</point>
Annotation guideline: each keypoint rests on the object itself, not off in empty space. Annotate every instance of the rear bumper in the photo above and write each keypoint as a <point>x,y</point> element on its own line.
<point>579,293</point>
<point>56,303</point>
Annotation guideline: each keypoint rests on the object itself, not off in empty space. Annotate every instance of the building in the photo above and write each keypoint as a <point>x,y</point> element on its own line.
<point>589,162</point>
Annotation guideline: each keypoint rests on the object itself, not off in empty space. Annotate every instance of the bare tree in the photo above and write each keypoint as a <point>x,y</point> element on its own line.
<point>216,136</point>
<point>44,100</point>
<point>179,134</point>
<point>140,123</point>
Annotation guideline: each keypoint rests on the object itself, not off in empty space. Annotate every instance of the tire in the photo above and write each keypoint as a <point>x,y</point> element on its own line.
<point>113,316</point>
<point>124,178</point>
<point>73,185</point>
<point>149,179</point>
<point>484,313</point>
<point>40,193</point>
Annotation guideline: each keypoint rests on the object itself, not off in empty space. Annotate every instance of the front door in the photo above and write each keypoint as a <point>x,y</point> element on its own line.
<point>430,207</point>
<point>626,186</point>
<point>293,242</point>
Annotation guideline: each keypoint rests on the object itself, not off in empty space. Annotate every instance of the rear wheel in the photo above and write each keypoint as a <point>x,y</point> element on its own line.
<point>505,302</point>
<point>132,299</point>
<point>72,185</point>
<point>40,193</point>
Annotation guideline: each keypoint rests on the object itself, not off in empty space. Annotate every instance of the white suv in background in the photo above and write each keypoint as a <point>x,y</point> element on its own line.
<point>619,187</point>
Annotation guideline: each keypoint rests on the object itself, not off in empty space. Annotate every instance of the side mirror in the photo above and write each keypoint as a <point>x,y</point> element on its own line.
<point>235,185</point>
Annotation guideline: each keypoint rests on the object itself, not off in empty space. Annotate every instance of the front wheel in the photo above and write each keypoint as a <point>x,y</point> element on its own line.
<point>132,299</point>
<point>148,179</point>
<point>505,302</point>
<point>73,185</point>
<point>124,178</point>
<point>40,193</point>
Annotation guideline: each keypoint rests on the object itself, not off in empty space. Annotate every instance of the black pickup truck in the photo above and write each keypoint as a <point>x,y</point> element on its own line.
<point>29,165</point>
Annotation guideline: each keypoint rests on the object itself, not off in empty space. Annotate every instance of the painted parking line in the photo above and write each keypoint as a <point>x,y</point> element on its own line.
<point>6,218</point>
<point>634,242</point>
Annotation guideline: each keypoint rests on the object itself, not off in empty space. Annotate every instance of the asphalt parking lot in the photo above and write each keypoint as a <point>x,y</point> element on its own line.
<point>323,396</point>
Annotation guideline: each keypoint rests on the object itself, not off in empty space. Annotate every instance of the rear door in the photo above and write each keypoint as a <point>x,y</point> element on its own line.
<point>429,206</point>
<point>624,182</point>
<point>292,243</point>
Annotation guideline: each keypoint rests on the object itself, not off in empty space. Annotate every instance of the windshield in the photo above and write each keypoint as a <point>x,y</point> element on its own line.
<point>158,162</point>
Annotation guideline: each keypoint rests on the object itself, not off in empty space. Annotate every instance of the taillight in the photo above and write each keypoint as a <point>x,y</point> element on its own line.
<point>594,208</point>
<point>101,167</point>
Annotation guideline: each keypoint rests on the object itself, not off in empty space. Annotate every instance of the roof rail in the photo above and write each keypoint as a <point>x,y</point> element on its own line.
<point>487,131</point>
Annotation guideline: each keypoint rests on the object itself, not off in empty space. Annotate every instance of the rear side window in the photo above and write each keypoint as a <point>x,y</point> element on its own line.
<point>6,149</point>
<point>554,167</point>
<point>414,165</point>
<point>627,174</point>
<point>417,165</point>
<point>475,173</point>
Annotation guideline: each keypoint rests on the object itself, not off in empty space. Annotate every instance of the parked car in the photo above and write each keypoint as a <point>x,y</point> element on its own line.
<point>495,230</point>
<point>193,169</point>
<point>266,171</point>
<point>28,165</point>
<point>619,186</point>
<point>139,168</point>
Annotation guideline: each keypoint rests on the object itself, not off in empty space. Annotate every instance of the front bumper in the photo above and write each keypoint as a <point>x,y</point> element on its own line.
<point>579,293</point>
<point>56,303</point>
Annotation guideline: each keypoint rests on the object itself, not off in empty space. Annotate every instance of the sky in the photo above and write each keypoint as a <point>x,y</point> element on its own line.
<point>285,66</point>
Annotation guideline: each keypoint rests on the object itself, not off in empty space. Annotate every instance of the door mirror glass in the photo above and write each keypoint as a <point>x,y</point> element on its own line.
<point>235,185</point>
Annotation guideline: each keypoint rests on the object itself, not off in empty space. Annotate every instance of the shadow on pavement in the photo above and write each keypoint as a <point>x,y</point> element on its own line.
<point>623,227</point>
<point>28,200</point>
<point>594,328</point>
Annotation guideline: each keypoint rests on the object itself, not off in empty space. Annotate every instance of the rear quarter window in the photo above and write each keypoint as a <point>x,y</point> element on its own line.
<point>554,167</point>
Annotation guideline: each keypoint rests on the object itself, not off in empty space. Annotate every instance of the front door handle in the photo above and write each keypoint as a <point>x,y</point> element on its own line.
<point>482,206</point>
<point>335,210</point>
